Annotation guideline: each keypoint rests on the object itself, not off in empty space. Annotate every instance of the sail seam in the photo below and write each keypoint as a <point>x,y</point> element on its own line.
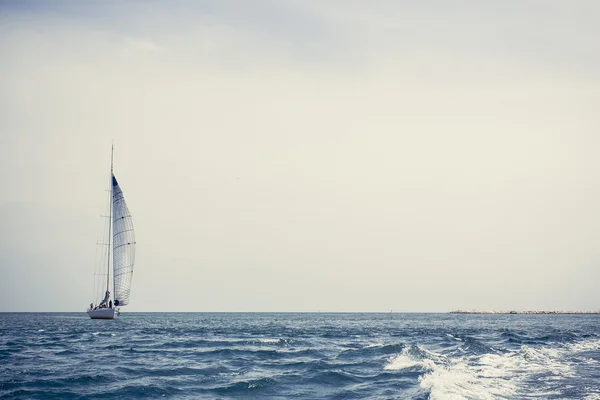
<point>124,244</point>
<point>125,231</point>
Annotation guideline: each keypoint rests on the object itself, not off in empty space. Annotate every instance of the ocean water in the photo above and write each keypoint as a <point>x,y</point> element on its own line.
<point>299,356</point>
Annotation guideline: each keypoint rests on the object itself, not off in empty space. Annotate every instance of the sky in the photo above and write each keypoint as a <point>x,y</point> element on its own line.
<point>414,156</point>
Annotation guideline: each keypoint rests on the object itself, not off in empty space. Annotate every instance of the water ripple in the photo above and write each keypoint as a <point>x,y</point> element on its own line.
<point>312,356</point>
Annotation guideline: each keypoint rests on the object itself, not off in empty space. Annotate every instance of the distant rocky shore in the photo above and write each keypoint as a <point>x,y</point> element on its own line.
<point>521,312</point>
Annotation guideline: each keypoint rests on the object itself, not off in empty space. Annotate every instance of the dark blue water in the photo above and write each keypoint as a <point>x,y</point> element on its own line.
<point>300,356</point>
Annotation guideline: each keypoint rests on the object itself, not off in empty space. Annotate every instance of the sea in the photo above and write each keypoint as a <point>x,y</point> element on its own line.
<point>299,356</point>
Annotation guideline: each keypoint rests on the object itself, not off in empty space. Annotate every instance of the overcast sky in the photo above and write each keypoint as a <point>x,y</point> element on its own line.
<point>304,155</point>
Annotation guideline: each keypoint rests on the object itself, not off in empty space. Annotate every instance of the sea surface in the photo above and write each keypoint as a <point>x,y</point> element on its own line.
<point>299,356</point>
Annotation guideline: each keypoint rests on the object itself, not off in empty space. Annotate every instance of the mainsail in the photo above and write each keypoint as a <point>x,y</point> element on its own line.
<point>123,246</point>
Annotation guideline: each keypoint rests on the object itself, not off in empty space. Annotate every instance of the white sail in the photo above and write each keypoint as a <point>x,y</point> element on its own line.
<point>123,246</point>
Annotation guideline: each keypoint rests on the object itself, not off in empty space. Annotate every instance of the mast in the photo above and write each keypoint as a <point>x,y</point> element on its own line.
<point>109,219</point>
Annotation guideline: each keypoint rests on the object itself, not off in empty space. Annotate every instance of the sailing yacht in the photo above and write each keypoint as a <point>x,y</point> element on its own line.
<point>122,246</point>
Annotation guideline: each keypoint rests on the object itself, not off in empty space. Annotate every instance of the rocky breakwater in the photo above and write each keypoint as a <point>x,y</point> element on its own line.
<point>521,312</point>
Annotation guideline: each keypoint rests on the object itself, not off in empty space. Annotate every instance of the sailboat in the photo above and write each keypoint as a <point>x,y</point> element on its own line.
<point>122,245</point>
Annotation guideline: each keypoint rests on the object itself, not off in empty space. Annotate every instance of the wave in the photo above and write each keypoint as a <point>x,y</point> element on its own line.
<point>528,339</point>
<point>191,343</point>
<point>332,378</point>
<point>495,375</point>
<point>245,386</point>
<point>414,356</point>
<point>418,357</point>
<point>371,350</point>
<point>134,371</point>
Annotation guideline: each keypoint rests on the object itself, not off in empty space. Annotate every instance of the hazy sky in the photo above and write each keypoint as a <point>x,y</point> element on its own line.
<point>304,155</point>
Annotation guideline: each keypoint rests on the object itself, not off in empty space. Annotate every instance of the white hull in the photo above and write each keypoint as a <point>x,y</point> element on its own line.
<point>103,313</point>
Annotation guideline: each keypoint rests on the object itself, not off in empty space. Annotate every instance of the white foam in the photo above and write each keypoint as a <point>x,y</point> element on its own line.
<point>494,375</point>
<point>461,381</point>
<point>269,340</point>
<point>585,345</point>
<point>454,337</point>
<point>405,360</point>
<point>399,362</point>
